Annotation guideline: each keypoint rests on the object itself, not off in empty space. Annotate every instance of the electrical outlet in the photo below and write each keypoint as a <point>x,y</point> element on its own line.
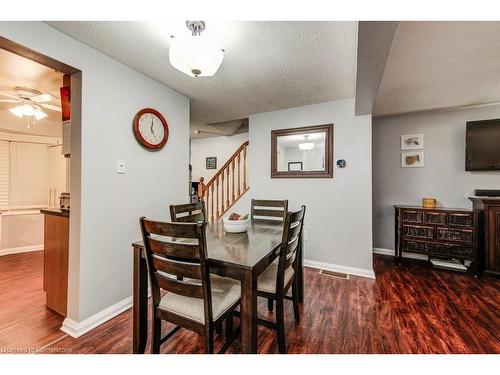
<point>305,235</point>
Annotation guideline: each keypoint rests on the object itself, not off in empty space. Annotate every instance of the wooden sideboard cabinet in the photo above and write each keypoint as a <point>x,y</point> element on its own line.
<point>438,232</point>
<point>489,208</point>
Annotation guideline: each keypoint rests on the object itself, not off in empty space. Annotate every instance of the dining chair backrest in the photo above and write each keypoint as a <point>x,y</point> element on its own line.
<point>265,209</point>
<point>290,244</point>
<point>188,213</point>
<point>176,259</point>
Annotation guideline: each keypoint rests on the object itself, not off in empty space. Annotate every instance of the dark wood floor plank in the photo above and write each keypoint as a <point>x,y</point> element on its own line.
<point>407,309</point>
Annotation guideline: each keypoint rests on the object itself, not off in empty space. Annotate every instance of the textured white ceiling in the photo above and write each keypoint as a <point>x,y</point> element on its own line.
<point>267,65</point>
<point>441,65</point>
<point>19,71</point>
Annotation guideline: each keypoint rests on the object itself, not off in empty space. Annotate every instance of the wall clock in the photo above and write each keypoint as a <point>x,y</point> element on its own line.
<point>150,129</point>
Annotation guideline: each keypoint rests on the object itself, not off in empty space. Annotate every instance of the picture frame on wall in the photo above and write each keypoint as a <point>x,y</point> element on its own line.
<point>211,162</point>
<point>295,166</point>
<point>412,142</point>
<point>412,159</point>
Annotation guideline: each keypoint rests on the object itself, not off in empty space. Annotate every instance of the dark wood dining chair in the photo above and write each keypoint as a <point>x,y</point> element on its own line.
<point>266,209</point>
<point>282,274</point>
<point>188,213</point>
<point>199,300</point>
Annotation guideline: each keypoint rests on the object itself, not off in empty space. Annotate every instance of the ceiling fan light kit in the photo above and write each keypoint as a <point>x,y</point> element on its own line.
<point>28,110</point>
<point>195,55</point>
<point>30,103</point>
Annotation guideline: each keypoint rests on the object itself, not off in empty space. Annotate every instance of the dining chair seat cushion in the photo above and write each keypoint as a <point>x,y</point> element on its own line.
<point>225,293</point>
<point>267,279</point>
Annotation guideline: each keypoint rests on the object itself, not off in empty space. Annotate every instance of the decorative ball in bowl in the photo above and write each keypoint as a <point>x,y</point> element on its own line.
<point>236,223</point>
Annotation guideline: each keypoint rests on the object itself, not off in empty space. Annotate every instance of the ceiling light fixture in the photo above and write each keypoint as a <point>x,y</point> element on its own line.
<point>195,55</point>
<point>306,146</point>
<point>28,110</point>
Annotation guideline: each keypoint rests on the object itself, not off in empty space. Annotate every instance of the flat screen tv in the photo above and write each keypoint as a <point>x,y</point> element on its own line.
<point>482,150</point>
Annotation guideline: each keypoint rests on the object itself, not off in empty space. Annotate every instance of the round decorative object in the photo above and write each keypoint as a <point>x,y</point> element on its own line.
<point>150,129</point>
<point>341,163</point>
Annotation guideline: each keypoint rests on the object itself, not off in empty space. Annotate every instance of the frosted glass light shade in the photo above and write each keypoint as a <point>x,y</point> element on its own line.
<point>306,146</point>
<point>28,110</point>
<point>195,56</point>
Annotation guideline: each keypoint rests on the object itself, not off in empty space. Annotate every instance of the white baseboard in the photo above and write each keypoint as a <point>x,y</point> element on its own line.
<point>21,249</point>
<point>390,252</point>
<point>77,329</point>
<point>339,268</point>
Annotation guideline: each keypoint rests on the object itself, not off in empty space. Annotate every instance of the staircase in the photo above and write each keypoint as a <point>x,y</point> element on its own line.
<point>226,187</point>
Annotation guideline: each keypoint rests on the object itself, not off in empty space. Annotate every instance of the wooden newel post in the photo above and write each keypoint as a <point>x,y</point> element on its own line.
<point>201,189</point>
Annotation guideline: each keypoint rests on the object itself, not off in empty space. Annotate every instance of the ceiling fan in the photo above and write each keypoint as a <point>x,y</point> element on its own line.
<point>30,102</point>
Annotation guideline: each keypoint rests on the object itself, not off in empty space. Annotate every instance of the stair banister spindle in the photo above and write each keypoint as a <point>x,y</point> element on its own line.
<point>217,198</point>
<point>222,188</point>
<point>245,168</point>
<point>227,186</point>
<point>232,173</point>
<point>239,178</point>
<point>212,202</point>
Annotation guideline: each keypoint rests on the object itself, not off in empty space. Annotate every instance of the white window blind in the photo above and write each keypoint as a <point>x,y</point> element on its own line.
<point>29,165</point>
<point>4,175</point>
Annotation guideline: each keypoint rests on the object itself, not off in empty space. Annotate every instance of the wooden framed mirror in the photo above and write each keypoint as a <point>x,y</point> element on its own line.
<point>305,152</point>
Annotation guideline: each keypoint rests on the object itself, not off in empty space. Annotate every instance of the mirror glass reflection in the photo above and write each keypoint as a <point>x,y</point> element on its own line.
<point>301,152</point>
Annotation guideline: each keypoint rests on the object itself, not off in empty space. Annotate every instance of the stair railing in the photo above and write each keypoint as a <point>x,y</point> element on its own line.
<point>227,186</point>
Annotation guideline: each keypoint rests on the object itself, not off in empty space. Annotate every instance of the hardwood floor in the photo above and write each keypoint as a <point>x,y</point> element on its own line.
<point>407,309</point>
<point>25,322</point>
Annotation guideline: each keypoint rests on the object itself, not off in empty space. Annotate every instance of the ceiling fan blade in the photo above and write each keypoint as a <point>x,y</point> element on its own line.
<point>9,101</point>
<point>51,107</point>
<point>43,98</point>
<point>9,95</point>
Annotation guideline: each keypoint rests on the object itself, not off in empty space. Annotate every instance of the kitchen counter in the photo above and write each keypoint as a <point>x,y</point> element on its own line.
<point>54,211</point>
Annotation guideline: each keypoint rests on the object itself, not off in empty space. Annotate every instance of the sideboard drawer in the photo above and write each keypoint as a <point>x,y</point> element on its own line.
<point>460,219</point>
<point>416,246</point>
<point>450,250</point>
<point>419,231</point>
<point>435,217</point>
<point>412,216</point>
<point>451,234</point>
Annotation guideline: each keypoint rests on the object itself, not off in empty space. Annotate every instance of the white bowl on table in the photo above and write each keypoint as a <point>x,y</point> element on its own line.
<point>235,226</point>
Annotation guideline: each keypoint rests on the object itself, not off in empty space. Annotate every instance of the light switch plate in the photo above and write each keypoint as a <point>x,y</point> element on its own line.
<point>120,166</point>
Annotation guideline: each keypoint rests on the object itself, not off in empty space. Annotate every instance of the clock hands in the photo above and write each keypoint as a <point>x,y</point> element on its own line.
<point>152,130</point>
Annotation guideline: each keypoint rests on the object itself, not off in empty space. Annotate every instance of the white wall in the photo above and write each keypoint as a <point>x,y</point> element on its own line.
<point>443,176</point>
<point>106,206</point>
<point>220,147</point>
<point>21,231</point>
<point>338,214</point>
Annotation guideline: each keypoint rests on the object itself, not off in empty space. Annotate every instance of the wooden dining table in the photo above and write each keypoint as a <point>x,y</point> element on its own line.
<point>240,256</point>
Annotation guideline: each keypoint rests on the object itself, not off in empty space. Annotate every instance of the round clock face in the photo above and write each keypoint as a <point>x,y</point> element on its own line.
<point>151,128</point>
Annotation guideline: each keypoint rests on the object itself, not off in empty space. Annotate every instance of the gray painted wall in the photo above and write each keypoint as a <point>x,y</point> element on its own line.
<point>338,216</point>
<point>443,176</point>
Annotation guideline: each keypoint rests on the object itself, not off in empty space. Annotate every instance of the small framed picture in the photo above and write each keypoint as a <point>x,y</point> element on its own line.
<point>294,165</point>
<point>211,162</point>
<point>412,159</point>
<point>412,142</point>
